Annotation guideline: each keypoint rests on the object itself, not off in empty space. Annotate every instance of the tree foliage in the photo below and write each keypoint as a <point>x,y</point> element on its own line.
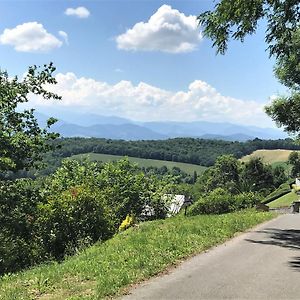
<point>22,141</point>
<point>239,18</point>
<point>294,161</point>
<point>81,203</point>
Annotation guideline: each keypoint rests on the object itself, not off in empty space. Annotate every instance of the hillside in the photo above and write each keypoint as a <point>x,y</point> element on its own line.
<point>270,156</point>
<point>187,150</point>
<point>142,162</point>
<point>105,269</point>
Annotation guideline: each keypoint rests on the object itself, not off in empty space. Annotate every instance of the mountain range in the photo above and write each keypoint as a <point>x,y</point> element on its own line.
<point>76,124</point>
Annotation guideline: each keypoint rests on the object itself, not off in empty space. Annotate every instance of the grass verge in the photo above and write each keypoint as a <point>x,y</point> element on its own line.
<point>132,256</point>
<point>282,190</point>
<point>285,200</point>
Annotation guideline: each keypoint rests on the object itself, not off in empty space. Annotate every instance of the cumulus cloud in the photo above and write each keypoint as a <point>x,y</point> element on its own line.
<point>144,102</point>
<point>64,35</point>
<point>30,37</point>
<point>79,12</point>
<point>168,30</point>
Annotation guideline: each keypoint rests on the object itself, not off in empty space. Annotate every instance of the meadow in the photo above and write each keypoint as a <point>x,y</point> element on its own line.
<point>143,162</point>
<point>269,156</point>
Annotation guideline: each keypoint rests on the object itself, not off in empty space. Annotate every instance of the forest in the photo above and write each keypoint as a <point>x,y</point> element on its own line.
<point>188,150</point>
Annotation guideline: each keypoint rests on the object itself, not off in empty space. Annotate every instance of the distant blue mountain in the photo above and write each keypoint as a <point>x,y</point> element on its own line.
<point>206,129</point>
<point>112,127</point>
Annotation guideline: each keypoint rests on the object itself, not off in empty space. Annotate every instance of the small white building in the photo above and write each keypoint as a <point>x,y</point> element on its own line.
<point>176,204</point>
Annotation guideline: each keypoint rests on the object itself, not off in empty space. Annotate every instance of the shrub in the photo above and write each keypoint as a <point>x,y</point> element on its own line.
<point>80,203</point>
<point>128,222</point>
<point>221,201</point>
<point>70,217</point>
<point>246,200</point>
<point>217,202</point>
<point>18,209</point>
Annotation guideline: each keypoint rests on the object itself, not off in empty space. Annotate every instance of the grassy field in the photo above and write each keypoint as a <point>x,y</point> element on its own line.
<point>269,156</point>
<point>284,201</point>
<point>143,162</point>
<point>107,269</point>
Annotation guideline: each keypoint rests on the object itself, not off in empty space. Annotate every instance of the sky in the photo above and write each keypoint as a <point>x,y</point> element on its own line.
<point>145,60</point>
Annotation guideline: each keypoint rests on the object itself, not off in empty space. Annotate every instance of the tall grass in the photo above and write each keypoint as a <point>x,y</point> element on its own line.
<point>132,256</point>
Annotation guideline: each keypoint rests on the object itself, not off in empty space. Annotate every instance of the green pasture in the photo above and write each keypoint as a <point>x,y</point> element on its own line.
<point>143,162</point>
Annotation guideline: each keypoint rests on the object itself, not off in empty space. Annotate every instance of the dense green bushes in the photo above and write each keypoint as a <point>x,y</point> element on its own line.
<point>79,204</point>
<point>18,212</point>
<point>221,201</point>
<point>72,218</point>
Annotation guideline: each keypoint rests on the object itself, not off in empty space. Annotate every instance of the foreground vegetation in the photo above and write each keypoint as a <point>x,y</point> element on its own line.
<point>79,204</point>
<point>134,255</point>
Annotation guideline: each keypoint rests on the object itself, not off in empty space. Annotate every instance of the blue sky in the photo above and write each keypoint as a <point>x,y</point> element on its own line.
<point>161,69</point>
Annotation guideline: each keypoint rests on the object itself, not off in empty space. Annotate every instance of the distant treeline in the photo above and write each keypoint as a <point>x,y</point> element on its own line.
<point>189,150</point>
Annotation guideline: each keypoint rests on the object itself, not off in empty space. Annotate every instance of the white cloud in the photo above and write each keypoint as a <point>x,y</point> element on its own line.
<point>79,12</point>
<point>144,102</point>
<point>64,35</point>
<point>30,37</point>
<point>168,30</point>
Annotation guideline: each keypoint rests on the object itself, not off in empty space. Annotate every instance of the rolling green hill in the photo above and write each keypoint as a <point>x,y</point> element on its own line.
<point>142,162</point>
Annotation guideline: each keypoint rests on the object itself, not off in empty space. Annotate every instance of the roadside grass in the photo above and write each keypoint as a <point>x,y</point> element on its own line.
<point>107,269</point>
<point>285,200</point>
<point>282,190</point>
<point>143,162</point>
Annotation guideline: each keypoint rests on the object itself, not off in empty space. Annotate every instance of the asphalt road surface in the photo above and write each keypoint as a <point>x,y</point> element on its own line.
<point>261,264</point>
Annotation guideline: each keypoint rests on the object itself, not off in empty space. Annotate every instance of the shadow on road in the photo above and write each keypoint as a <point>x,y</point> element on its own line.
<point>295,264</point>
<point>286,238</point>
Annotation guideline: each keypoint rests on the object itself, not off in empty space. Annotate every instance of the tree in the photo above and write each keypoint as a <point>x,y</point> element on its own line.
<point>236,19</point>
<point>224,174</point>
<point>257,175</point>
<point>22,141</point>
<point>294,161</point>
<point>239,18</point>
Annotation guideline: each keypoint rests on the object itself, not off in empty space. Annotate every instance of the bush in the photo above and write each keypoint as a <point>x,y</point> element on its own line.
<point>80,203</point>
<point>70,217</point>
<point>221,201</point>
<point>217,202</point>
<point>18,210</point>
<point>246,200</point>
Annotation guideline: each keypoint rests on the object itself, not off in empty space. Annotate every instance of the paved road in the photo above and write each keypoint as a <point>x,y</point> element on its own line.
<point>261,264</point>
